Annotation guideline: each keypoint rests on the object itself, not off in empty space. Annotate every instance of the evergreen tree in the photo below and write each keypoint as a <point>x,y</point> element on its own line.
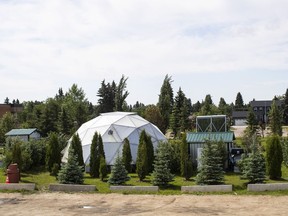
<point>185,161</point>
<point>94,157</point>
<point>150,153</point>
<point>103,168</point>
<point>77,147</point>
<point>211,170</point>
<point>254,169</point>
<point>165,101</point>
<point>162,175</point>
<point>284,145</point>
<point>65,122</point>
<point>121,94</point>
<point>180,113</point>
<point>126,155</point>
<point>119,174</point>
<point>285,108</point>
<point>239,101</point>
<point>275,119</point>
<point>142,157</point>
<point>71,172</point>
<point>53,153</point>
<point>251,122</point>
<point>17,156</point>
<point>106,94</point>
<point>274,157</point>
<point>96,152</point>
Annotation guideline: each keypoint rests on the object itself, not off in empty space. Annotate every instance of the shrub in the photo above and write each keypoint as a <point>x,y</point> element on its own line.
<point>274,157</point>
<point>71,172</point>
<point>162,175</point>
<point>211,170</point>
<point>119,174</point>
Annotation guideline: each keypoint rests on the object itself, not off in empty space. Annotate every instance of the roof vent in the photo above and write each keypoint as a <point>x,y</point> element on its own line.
<point>110,132</point>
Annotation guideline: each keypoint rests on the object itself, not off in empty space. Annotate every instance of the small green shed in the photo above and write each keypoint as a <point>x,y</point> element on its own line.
<point>196,142</point>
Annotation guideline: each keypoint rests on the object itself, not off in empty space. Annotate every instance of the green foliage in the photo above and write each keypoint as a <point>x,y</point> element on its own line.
<point>165,101</point>
<point>274,157</point>
<point>253,167</point>
<point>77,147</point>
<point>251,122</point>
<point>239,101</point>
<point>53,154</point>
<point>179,121</point>
<point>121,94</point>
<point>142,157</point>
<point>103,168</point>
<point>150,153</point>
<point>211,169</point>
<point>185,161</point>
<point>119,174</point>
<point>174,148</point>
<point>55,169</point>
<point>7,123</point>
<point>17,154</point>
<point>153,115</point>
<point>275,119</point>
<point>30,154</point>
<point>284,145</point>
<point>285,108</point>
<point>162,175</point>
<point>126,155</point>
<point>96,152</point>
<point>71,172</point>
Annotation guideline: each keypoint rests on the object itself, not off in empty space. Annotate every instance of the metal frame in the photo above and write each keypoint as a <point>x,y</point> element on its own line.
<point>211,125</point>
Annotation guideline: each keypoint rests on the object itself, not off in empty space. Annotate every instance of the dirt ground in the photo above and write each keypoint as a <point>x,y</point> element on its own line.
<point>117,204</point>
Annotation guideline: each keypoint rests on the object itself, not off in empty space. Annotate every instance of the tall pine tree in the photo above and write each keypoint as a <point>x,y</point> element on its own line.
<point>285,108</point>
<point>96,152</point>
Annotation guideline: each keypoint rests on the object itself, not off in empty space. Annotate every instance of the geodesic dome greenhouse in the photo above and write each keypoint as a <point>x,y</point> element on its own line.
<point>114,127</point>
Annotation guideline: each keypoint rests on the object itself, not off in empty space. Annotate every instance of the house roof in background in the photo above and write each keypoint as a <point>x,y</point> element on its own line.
<point>21,132</point>
<point>239,114</point>
<point>264,103</point>
<point>201,137</point>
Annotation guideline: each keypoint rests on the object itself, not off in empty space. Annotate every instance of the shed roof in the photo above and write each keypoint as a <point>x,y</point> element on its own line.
<point>21,132</point>
<point>200,137</point>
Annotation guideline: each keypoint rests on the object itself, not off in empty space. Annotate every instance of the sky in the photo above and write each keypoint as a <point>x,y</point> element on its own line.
<point>216,47</point>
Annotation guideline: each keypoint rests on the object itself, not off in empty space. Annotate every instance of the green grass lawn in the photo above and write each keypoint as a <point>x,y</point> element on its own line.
<point>42,179</point>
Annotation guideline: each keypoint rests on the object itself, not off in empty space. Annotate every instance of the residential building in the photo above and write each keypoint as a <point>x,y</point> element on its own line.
<point>24,134</point>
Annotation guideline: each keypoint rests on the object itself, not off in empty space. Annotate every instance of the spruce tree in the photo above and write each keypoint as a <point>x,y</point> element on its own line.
<point>77,147</point>
<point>126,155</point>
<point>275,119</point>
<point>53,153</point>
<point>251,122</point>
<point>94,157</point>
<point>71,172</point>
<point>185,162</point>
<point>161,175</point>
<point>239,101</point>
<point>211,170</point>
<point>119,174</point>
<point>142,157</point>
<point>274,157</point>
<point>254,168</point>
